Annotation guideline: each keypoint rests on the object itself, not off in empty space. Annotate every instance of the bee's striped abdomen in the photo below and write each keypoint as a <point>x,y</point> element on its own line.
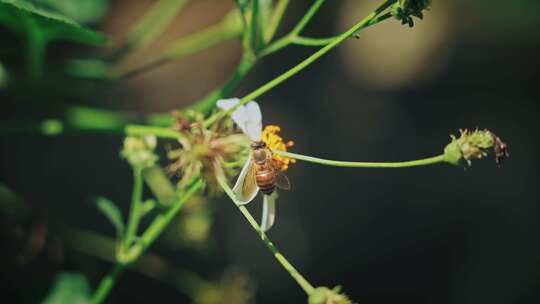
<point>266,179</point>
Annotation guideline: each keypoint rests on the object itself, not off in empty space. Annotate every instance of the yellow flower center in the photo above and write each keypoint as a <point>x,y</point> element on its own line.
<point>272,139</point>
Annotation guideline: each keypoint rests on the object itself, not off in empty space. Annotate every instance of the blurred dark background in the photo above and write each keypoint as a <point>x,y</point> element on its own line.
<point>437,234</point>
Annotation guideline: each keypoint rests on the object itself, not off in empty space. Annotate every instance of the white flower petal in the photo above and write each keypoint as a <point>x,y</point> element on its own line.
<point>226,104</point>
<point>248,117</point>
<point>253,125</point>
<point>239,116</point>
<point>269,211</point>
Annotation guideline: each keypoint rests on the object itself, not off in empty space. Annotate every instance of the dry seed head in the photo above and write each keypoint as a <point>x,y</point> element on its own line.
<point>203,151</point>
<point>474,145</point>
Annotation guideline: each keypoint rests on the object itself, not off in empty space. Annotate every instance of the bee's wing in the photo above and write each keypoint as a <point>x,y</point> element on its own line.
<point>269,211</point>
<point>282,181</point>
<point>246,187</point>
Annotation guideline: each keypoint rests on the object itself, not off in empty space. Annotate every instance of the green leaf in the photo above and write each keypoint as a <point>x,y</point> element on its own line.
<point>70,288</point>
<point>23,17</point>
<point>113,214</point>
<point>83,11</point>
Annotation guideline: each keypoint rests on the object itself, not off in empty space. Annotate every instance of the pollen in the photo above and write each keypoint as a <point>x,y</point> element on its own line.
<point>272,139</point>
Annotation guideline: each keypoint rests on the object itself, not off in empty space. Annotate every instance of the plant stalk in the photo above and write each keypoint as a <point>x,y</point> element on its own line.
<point>145,241</point>
<point>349,164</point>
<point>293,272</point>
<point>302,65</point>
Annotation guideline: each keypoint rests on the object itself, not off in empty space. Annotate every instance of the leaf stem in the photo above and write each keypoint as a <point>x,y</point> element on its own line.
<point>149,27</point>
<point>161,132</point>
<point>145,241</point>
<point>229,28</point>
<point>304,284</point>
<point>207,103</point>
<point>162,221</point>
<point>302,65</point>
<point>134,213</point>
<point>277,15</point>
<point>307,17</point>
<point>307,41</point>
<point>405,164</point>
<point>107,284</point>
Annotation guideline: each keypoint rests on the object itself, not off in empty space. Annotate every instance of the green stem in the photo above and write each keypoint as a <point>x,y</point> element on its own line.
<point>307,17</point>
<point>162,221</point>
<point>134,213</point>
<point>302,65</point>
<point>277,15</point>
<point>102,247</point>
<point>306,286</point>
<point>254,28</point>
<point>106,284</point>
<point>229,28</point>
<point>146,240</point>
<point>149,27</point>
<point>208,103</point>
<point>307,41</point>
<point>139,130</point>
<point>405,164</point>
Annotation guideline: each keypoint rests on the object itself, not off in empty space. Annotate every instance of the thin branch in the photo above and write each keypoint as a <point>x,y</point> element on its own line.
<point>336,163</point>
<point>275,20</point>
<point>302,65</point>
<point>146,240</point>
<point>149,27</point>
<point>306,286</point>
<point>228,29</point>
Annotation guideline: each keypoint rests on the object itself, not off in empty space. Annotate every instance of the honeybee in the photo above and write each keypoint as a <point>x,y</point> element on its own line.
<point>262,173</point>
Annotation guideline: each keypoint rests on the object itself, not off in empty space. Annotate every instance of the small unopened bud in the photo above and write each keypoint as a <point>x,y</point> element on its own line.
<point>474,145</point>
<point>404,10</point>
<point>139,151</point>
<point>325,295</point>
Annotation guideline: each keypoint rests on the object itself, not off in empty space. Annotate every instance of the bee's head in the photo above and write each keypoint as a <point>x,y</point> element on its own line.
<point>258,145</point>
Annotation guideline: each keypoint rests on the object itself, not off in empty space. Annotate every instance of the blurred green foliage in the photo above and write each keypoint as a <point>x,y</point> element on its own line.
<point>25,18</point>
<point>113,214</point>
<point>82,11</point>
<point>39,26</point>
<point>70,288</point>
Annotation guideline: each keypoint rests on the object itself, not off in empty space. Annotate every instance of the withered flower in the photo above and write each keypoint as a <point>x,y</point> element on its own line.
<point>474,145</point>
<point>203,150</point>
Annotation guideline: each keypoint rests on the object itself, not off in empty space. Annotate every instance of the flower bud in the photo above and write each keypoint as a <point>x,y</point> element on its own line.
<point>404,10</point>
<point>474,145</point>
<point>325,295</point>
<point>139,151</point>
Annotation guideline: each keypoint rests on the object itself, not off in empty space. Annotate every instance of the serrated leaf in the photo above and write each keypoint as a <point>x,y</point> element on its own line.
<point>113,214</point>
<point>70,288</point>
<point>23,17</point>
